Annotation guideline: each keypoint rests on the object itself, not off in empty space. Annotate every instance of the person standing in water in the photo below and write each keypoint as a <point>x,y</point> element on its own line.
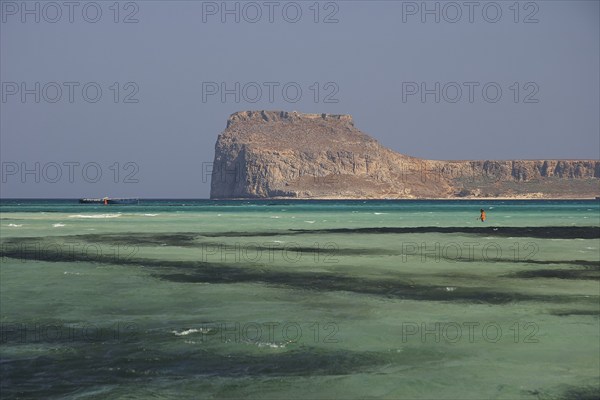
<point>482,216</point>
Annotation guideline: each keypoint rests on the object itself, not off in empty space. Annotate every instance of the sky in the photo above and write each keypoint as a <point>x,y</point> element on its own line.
<point>126,99</point>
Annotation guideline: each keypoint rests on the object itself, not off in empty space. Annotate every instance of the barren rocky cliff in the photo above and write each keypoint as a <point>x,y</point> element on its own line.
<point>263,154</point>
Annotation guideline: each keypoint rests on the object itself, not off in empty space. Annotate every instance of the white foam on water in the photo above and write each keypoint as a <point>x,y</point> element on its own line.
<point>150,215</point>
<point>185,333</point>
<point>190,331</point>
<point>71,273</point>
<point>58,225</point>
<point>376,213</point>
<point>275,216</point>
<point>95,216</point>
<point>310,222</point>
<point>272,345</point>
<point>15,225</point>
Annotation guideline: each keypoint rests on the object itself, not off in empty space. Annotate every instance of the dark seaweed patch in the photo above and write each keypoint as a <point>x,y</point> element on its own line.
<point>566,313</point>
<point>579,274</point>
<point>109,364</point>
<point>583,263</point>
<point>206,272</point>
<point>544,232</point>
<point>386,288</point>
<point>141,239</point>
<point>582,393</point>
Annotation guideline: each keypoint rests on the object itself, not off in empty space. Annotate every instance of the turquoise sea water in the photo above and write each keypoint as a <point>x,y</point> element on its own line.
<point>300,299</point>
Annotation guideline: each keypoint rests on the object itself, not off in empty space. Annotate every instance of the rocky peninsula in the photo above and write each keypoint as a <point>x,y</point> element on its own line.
<point>280,154</point>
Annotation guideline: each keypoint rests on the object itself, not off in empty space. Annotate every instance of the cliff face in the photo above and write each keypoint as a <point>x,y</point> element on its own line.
<point>265,154</point>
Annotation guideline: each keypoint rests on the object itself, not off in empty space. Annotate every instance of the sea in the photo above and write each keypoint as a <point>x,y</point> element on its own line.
<point>300,299</point>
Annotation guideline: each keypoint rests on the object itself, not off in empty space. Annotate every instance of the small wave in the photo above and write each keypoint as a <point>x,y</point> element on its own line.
<point>190,331</point>
<point>71,273</point>
<point>150,215</point>
<point>58,225</point>
<point>274,216</point>
<point>376,213</point>
<point>272,345</point>
<point>15,225</point>
<point>96,216</point>
<point>310,222</point>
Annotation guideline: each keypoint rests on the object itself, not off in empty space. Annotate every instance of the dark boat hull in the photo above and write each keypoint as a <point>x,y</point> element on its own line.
<point>91,201</point>
<point>123,201</point>
<point>109,201</point>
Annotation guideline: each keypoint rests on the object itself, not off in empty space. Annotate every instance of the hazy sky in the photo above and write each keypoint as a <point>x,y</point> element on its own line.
<point>154,125</point>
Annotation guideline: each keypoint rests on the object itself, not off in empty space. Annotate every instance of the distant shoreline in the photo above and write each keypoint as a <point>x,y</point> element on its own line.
<point>411,199</point>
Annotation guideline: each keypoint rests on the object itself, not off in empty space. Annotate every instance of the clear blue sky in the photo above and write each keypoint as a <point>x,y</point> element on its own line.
<point>373,61</point>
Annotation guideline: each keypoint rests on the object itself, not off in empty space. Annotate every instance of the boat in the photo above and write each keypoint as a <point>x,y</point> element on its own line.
<point>91,201</point>
<point>108,200</point>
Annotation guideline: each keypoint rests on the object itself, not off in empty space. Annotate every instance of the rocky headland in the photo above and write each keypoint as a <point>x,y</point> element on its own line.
<point>280,154</point>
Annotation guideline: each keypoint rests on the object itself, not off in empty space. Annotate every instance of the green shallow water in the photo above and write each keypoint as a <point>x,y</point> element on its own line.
<point>300,299</point>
